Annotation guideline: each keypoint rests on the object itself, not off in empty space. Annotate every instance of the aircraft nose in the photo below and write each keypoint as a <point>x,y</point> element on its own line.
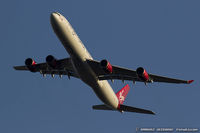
<point>54,15</point>
<point>55,18</point>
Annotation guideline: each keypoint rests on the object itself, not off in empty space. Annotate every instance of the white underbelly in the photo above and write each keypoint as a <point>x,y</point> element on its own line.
<point>101,88</point>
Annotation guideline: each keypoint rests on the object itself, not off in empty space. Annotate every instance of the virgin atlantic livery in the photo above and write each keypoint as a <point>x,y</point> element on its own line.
<point>94,73</point>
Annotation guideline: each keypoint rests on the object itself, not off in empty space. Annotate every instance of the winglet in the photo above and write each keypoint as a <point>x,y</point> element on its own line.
<point>190,81</point>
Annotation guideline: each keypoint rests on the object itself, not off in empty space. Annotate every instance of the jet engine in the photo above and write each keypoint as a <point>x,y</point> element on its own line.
<point>107,67</point>
<point>51,61</point>
<point>30,64</point>
<point>142,74</point>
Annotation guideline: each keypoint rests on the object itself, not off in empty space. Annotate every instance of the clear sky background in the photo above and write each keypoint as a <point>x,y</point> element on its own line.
<point>162,36</point>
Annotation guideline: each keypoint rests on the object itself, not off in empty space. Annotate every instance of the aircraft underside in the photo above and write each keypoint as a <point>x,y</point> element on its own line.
<point>94,73</point>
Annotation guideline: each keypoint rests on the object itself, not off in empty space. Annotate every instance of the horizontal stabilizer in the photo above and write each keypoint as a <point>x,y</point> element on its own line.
<point>123,108</point>
<point>101,107</point>
<point>136,110</point>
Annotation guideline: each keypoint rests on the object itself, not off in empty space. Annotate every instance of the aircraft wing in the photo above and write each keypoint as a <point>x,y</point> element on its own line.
<point>63,67</point>
<point>127,74</point>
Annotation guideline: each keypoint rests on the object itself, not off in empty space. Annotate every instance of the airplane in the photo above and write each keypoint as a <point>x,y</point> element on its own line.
<point>94,73</point>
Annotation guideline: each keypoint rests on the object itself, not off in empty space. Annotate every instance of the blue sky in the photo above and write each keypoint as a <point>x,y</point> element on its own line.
<point>161,36</point>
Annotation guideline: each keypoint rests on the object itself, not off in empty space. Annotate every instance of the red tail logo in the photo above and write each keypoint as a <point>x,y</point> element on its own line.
<point>121,95</point>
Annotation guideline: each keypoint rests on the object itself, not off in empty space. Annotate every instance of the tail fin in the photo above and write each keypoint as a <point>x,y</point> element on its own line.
<point>121,95</point>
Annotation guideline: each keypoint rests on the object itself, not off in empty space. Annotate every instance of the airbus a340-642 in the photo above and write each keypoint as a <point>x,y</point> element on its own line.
<point>94,73</point>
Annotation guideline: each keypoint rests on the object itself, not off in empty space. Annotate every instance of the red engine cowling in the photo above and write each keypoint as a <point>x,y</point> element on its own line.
<point>142,74</point>
<point>107,67</point>
<point>51,61</point>
<point>30,64</point>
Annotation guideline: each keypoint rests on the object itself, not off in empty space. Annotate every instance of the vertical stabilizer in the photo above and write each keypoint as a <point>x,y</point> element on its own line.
<point>121,95</point>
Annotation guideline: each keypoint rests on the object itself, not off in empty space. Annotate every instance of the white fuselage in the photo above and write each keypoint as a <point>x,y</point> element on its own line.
<point>79,54</point>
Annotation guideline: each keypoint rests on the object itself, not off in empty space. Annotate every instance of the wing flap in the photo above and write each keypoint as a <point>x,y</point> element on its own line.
<point>61,72</point>
<point>118,77</point>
